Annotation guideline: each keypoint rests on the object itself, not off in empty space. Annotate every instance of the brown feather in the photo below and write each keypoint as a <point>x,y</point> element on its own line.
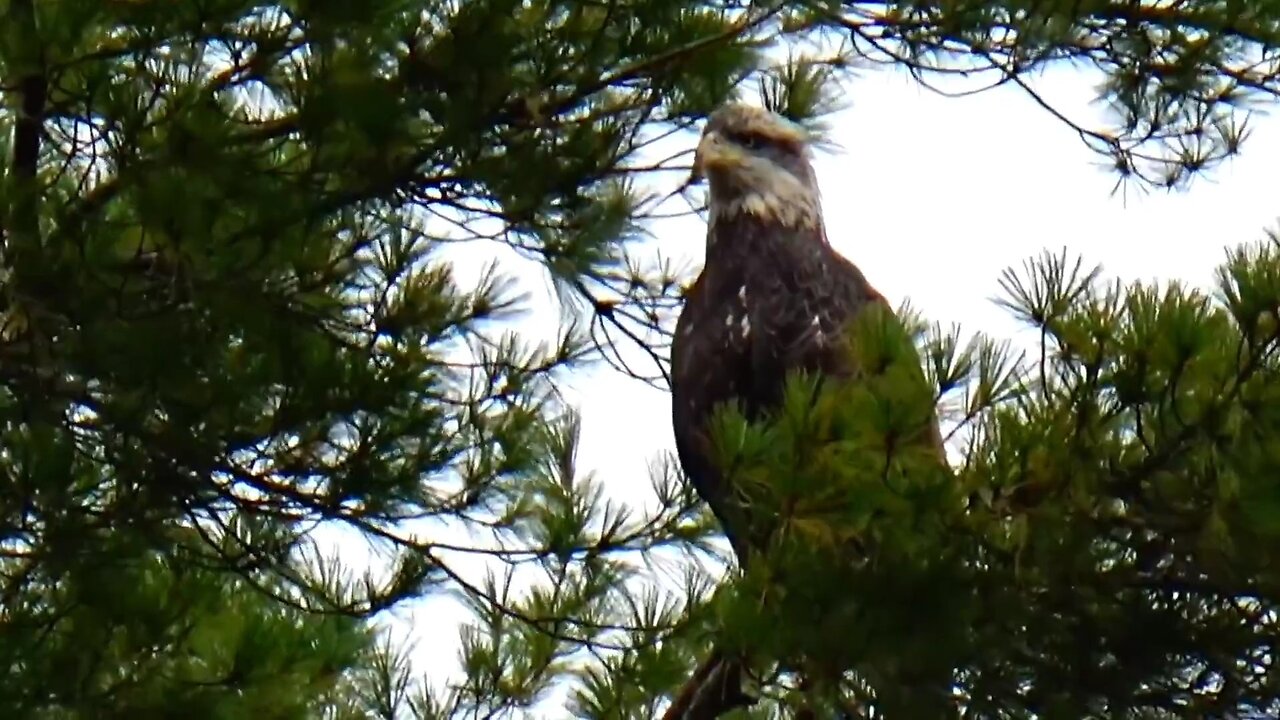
<point>770,301</point>
<point>773,297</point>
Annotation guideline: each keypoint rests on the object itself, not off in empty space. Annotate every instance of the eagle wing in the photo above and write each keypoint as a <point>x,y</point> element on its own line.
<point>710,365</point>
<point>802,306</point>
<point>825,294</point>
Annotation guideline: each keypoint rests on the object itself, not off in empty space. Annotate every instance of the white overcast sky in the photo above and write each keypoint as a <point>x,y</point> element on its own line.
<point>933,197</point>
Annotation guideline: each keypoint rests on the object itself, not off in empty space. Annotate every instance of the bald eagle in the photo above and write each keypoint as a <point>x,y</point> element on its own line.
<point>773,297</point>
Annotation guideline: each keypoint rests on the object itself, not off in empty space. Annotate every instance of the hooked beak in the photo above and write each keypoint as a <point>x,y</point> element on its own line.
<point>705,148</point>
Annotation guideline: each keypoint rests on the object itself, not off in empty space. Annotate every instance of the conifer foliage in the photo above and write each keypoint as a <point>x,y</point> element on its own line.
<point>239,317</point>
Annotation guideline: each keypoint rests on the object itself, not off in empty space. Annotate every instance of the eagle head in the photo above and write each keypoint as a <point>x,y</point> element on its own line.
<point>757,163</point>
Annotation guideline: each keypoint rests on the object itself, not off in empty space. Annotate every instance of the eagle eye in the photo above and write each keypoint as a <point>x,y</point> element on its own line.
<point>748,140</point>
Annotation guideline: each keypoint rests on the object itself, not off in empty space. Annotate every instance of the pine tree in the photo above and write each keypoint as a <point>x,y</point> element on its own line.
<point>236,317</point>
<point>119,630</point>
<point>234,326</point>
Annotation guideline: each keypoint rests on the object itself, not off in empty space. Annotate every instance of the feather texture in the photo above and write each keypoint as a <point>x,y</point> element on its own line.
<point>773,297</point>
<point>770,300</point>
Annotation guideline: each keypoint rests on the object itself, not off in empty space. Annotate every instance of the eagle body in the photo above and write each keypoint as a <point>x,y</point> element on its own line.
<point>771,299</point>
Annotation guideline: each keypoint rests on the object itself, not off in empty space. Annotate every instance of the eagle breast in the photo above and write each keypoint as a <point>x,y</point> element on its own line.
<point>773,296</point>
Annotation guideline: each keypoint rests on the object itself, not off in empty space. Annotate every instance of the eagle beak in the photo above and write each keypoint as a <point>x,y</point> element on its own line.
<point>705,148</point>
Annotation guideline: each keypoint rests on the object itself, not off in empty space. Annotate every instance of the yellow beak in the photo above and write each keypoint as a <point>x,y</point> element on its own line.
<point>706,149</point>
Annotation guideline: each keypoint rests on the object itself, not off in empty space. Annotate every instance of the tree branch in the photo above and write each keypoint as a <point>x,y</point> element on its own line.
<point>714,689</point>
<point>28,126</point>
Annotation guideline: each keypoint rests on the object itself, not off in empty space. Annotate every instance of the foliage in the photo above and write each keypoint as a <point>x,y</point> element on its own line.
<point>236,317</point>
<point>1106,549</point>
<point>118,630</point>
<point>1178,78</point>
<point>240,311</point>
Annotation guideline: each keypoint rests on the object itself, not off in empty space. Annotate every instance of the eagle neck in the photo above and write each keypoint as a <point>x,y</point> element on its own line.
<point>731,237</point>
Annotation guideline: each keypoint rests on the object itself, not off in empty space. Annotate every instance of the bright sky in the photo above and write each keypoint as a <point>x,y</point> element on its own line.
<point>933,197</point>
